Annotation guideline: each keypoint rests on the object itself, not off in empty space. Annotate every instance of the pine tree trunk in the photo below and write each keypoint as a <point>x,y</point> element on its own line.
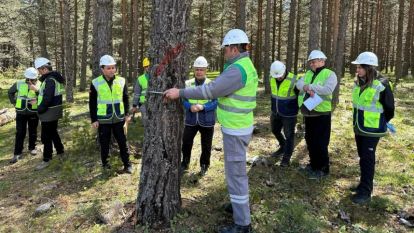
<point>267,46</point>
<point>142,42</point>
<point>291,35</point>
<point>258,47</point>
<point>323,26</point>
<point>42,28</point>
<point>241,14</point>
<point>124,20</point>
<point>135,34</point>
<point>200,41</point>
<point>297,39</point>
<point>75,43</point>
<point>68,62</point>
<point>159,197</point>
<point>102,33</point>
<point>279,34</point>
<point>340,48</point>
<point>85,34</point>
<point>62,39</point>
<point>398,62</point>
<point>314,25</point>
<point>408,40</point>
<point>274,30</point>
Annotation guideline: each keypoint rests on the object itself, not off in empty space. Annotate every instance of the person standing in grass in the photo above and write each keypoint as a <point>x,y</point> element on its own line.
<point>23,95</point>
<point>200,116</point>
<point>373,108</point>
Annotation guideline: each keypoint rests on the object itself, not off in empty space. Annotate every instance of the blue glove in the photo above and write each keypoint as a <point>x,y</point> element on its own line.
<point>391,128</point>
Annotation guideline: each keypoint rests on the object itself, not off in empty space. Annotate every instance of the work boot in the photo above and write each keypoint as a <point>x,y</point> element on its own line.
<point>15,158</point>
<point>354,189</point>
<point>42,165</point>
<point>33,152</point>
<point>234,228</point>
<point>203,170</point>
<point>306,170</point>
<point>317,174</point>
<point>285,161</point>
<point>228,208</point>
<point>360,198</point>
<point>278,153</point>
<point>128,169</point>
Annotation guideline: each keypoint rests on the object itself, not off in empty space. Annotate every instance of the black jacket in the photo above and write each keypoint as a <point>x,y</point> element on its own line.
<point>387,99</point>
<point>49,98</point>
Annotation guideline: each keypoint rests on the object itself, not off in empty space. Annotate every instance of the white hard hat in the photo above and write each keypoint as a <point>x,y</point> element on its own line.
<point>40,61</point>
<point>277,69</point>
<point>316,54</point>
<point>200,62</point>
<point>30,73</point>
<point>107,60</point>
<point>366,58</point>
<point>235,36</point>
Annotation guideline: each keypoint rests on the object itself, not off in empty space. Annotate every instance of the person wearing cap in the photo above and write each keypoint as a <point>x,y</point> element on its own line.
<point>373,108</point>
<point>108,107</point>
<point>49,109</point>
<point>320,81</point>
<point>200,116</point>
<point>284,110</point>
<point>235,89</point>
<point>23,95</point>
<point>140,91</point>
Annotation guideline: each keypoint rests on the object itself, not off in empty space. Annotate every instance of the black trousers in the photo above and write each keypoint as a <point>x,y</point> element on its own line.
<point>317,136</point>
<point>206,141</point>
<point>22,123</point>
<point>50,137</point>
<point>287,139</point>
<point>366,147</point>
<point>105,131</point>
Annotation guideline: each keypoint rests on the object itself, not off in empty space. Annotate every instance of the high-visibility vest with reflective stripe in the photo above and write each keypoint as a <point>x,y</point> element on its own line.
<point>320,79</point>
<point>192,83</point>
<point>368,111</point>
<point>284,98</point>
<point>58,92</point>
<point>55,109</point>
<point>143,82</point>
<point>110,103</point>
<point>24,96</point>
<point>235,111</point>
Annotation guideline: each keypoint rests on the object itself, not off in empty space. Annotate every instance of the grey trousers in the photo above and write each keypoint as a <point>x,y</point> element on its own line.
<point>144,116</point>
<point>236,176</point>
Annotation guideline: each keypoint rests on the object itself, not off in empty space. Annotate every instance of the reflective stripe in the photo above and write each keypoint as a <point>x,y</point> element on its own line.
<point>109,101</point>
<point>369,108</point>
<point>292,84</point>
<point>242,98</point>
<point>239,199</point>
<point>234,109</point>
<point>238,132</point>
<point>283,98</point>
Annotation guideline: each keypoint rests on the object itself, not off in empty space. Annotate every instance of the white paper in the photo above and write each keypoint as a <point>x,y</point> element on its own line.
<point>311,102</point>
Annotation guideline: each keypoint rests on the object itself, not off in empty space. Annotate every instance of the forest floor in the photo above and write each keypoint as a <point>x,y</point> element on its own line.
<point>83,199</point>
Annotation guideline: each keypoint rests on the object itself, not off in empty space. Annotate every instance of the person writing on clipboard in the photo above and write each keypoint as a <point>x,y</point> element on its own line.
<point>317,82</point>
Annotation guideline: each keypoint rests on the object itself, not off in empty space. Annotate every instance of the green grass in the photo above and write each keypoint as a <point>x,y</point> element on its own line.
<point>81,191</point>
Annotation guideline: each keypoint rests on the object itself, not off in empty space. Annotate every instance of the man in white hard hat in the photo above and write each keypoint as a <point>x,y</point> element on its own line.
<point>200,117</point>
<point>23,95</point>
<point>140,91</point>
<point>236,90</point>
<point>320,81</point>
<point>284,110</point>
<point>108,107</point>
<point>49,109</point>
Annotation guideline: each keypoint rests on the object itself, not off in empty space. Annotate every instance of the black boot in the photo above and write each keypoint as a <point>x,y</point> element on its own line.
<point>285,161</point>
<point>278,153</point>
<point>203,170</point>
<point>234,228</point>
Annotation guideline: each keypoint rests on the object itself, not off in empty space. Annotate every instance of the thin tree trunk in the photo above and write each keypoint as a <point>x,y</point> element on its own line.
<point>241,14</point>
<point>297,39</point>
<point>159,197</point>
<point>68,50</point>
<point>324,22</point>
<point>340,48</point>
<point>274,30</point>
<point>75,44</point>
<point>124,43</point>
<point>398,65</point>
<point>267,46</point>
<point>258,50</point>
<point>62,39</point>
<point>279,34</point>
<point>85,34</point>
<point>42,28</point>
<point>291,35</point>
<point>408,40</point>
<point>102,33</point>
<point>142,32</point>
<point>200,41</point>
<point>314,25</point>
<point>131,60</point>
<point>136,38</point>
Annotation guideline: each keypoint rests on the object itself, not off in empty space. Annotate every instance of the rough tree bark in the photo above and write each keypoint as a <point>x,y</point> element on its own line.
<point>398,62</point>
<point>267,46</point>
<point>75,43</point>
<point>68,62</point>
<point>279,33</point>
<point>42,29</point>
<point>241,14</point>
<point>314,25</point>
<point>258,48</point>
<point>340,48</point>
<point>102,33</point>
<point>297,39</point>
<point>291,35</point>
<point>85,33</point>
<point>408,40</point>
<point>159,197</point>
